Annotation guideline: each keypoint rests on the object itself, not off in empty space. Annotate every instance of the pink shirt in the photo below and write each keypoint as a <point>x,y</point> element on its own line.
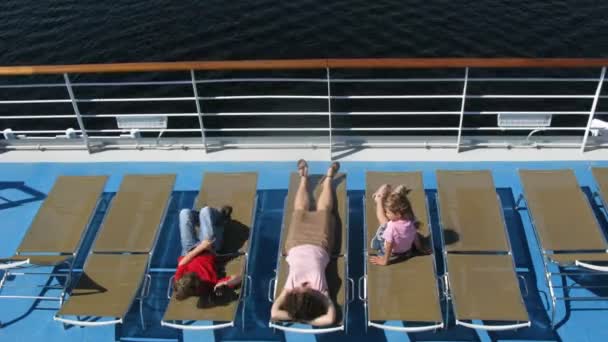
<point>401,233</point>
<point>307,266</point>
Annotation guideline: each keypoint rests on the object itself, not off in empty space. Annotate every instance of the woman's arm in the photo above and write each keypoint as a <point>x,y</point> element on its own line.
<point>276,314</point>
<point>327,319</point>
<point>205,244</point>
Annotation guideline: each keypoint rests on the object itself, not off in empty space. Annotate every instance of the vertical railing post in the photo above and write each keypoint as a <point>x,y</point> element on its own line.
<point>329,114</point>
<point>198,110</point>
<point>464,96</point>
<point>84,135</point>
<point>598,91</point>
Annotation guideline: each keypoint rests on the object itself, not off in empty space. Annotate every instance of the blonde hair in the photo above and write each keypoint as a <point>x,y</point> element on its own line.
<point>398,203</point>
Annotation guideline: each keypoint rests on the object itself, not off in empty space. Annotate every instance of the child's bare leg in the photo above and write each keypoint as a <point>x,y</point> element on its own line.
<point>302,199</point>
<point>326,198</point>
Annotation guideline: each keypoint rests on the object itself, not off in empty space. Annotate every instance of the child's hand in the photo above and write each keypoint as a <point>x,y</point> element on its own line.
<point>184,261</point>
<point>378,260</point>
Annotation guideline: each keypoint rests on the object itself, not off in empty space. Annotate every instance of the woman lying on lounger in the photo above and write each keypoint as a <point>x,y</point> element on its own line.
<point>305,296</point>
<point>197,273</point>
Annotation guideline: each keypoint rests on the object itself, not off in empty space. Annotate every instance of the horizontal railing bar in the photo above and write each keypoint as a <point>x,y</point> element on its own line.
<point>312,129</point>
<point>67,116</point>
<point>34,101</point>
<point>388,129</point>
<point>309,80</point>
<point>136,99</point>
<point>263,79</point>
<point>15,117</point>
<point>335,97</point>
<point>114,84</point>
<point>338,63</point>
<point>138,115</point>
<point>248,97</point>
<point>357,97</point>
<point>471,79</point>
<point>33,85</point>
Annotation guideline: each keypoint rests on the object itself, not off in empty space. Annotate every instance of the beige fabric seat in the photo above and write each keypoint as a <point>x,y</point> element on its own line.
<point>56,233</point>
<point>117,265</point>
<point>566,228</point>
<point>239,191</point>
<point>423,310</point>
<point>336,272</point>
<point>481,275</point>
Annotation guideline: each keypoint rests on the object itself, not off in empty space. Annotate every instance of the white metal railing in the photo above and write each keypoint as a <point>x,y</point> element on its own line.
<point>93,136</point>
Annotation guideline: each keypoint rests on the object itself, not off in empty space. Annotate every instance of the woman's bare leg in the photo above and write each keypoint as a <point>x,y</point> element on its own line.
<point>302,199</point>
<point>326,199</point>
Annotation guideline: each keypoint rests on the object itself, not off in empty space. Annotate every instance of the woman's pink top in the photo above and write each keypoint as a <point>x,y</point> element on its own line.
<point>401,233</point>
<point>307,265</point>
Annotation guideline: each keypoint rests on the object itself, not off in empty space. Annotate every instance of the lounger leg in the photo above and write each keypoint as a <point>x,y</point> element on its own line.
<point>302,199</point>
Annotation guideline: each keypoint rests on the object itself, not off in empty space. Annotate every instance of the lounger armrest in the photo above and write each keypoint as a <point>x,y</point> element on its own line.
<point>271,285</point>
<point>196,327</point>
<point>306,330</point>
<point>86,323</point>
<point>591,267</point>
<point>14,264</point>
<point>493,327</point>
<point>406,329</point>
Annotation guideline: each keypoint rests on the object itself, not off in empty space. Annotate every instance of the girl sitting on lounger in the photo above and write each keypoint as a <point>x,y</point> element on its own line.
<point>305,296</point>
<point>196,273</point>
<point>397,232</point>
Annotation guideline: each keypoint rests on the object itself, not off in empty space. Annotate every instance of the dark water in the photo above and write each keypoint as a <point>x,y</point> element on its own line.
<point>87,31</point>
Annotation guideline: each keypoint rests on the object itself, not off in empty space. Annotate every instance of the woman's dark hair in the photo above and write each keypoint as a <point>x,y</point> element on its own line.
<point>304,306</point>
<point>186,286</point>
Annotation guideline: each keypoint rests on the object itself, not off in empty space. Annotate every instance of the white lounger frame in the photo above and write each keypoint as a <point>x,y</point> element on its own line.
<point>487,327</point>
<point>245,293</point>
<point>146,281</point>
<point>363,281</point>
<point>349,283</point>
<point>547,262</point>
<point>25,264</point>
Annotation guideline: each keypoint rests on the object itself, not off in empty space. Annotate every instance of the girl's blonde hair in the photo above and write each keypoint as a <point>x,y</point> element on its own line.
<point>398,203</point>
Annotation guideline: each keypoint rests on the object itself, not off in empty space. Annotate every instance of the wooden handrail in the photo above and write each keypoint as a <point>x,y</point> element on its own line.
<point>334,63</point>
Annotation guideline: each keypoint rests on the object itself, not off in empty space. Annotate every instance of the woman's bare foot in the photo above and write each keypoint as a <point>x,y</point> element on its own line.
<point>302,168</point>
<point>333,169</point>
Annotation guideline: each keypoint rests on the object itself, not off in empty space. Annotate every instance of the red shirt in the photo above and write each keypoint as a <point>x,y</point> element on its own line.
<point>204,267</point>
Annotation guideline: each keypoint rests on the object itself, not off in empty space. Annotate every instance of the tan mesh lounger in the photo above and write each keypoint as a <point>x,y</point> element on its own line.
<point>239,191</point>
<point>336,272</point>
<point>481,275</point>
<point>120,257</point>
<point>565,226</point>
<point>56,234</point>
<point>419,273</point>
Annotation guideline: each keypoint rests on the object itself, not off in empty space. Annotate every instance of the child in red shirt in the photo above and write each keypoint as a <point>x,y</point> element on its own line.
<point>196,274</point>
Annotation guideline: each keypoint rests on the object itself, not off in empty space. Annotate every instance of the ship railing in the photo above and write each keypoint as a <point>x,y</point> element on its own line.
<point>65,87</point>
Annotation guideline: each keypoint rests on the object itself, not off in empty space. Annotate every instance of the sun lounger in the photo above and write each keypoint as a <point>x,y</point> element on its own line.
<point>239,191</point>
<point>56,234</point>
<point>336,272</point>
<point>383,294</point>
<point>565,226</point>
<point>481,278</point>
<point>600,174</point>
<point>120,257</point>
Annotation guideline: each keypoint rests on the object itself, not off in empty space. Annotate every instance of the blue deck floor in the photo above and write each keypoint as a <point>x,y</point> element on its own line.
<point>23,187</point>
